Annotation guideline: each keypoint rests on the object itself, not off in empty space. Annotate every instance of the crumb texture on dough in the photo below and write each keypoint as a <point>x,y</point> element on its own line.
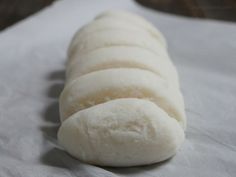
<point>121,105</point>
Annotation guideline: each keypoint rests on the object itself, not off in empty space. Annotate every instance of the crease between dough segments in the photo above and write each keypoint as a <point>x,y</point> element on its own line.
<point>133,19</point>
<point>121,57</point>
<point>106,38</point>
<point>107,23</point>
<point>100,86</point>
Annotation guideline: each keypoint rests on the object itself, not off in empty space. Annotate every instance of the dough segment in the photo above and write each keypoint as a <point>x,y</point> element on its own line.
<point>121,133</point>
<point>85,91</point>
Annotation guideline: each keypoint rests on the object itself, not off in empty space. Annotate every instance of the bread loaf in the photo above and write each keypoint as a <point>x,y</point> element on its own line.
<point>121,105</point>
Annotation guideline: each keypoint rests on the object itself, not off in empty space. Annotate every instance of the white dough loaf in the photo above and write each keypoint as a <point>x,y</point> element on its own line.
<point>121,105</point>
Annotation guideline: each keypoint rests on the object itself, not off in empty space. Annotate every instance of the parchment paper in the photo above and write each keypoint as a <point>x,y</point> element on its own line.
<point>32,58</point>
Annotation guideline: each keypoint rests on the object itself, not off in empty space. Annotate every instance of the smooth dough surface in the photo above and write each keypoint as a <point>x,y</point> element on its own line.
<point>121,57</point>
<point>100,86</point>
<point>122,132</point>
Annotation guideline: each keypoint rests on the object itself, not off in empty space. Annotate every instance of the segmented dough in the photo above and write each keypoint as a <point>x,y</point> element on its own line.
<point>121,105</point>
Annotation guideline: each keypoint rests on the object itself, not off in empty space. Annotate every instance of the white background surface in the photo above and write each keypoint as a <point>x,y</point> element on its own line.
<point>32,58</point>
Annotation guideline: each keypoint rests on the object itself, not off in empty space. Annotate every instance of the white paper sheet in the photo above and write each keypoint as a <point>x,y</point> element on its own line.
<point>32,57</point>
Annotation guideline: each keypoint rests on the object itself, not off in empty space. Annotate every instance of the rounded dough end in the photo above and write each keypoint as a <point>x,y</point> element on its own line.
<point>122,132</point>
